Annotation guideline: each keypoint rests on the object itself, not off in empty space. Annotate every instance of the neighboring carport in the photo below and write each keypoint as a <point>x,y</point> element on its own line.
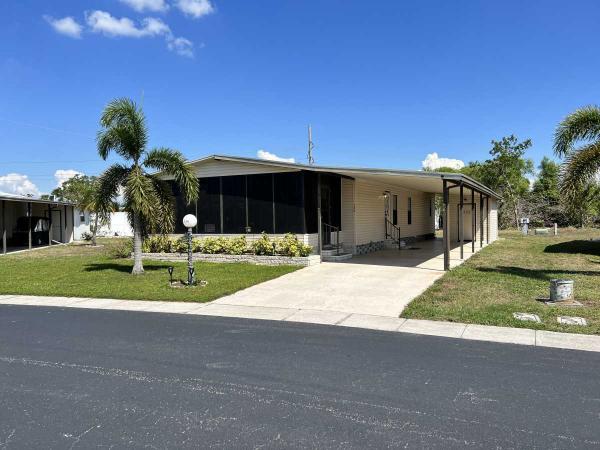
<point>27,223</point>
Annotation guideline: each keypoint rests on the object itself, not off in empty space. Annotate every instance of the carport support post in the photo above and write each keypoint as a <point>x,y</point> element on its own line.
<point>461,231</point>
<point>49,225</point>
<point>319,218</point>
<point>473,221</point>
<point>487,217</point>
<point>446,228</point>
<point>480,220</point>
<point>4,227</point>
<point>29,223</point>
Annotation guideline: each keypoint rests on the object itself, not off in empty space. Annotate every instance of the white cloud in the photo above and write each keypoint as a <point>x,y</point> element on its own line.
<point>16,183</point>
<point>195,8</point>
<point>62,175</point>
<point>263,154</point>
<point>67,26</point>
<point>433,161</point>
<point>104,23</point>
<point>181,46</point>
<point>147,5</point>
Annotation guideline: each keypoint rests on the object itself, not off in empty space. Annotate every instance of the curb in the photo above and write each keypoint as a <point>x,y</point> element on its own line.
<point>505,335</point>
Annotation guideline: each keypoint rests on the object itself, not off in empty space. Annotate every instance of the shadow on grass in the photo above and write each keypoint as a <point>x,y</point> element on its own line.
<point>97,267</point>
<point>575,247</point>
<point>537,274</point>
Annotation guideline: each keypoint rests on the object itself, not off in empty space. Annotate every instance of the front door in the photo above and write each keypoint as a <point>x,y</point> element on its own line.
<point>467,223</point>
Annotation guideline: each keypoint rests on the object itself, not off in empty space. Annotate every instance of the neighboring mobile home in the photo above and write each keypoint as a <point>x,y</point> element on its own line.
<point>27,222</point>
<point>359,210</point>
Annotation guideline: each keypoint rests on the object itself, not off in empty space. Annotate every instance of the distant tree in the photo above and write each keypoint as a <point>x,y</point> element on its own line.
<point>542,205</point>
<point>148,199</point>
<point>82,190</point>
<point>506,173</point>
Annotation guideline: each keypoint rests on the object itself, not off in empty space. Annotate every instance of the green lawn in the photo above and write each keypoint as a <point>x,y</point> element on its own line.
<point>507,277</point>
<point>86,271</point>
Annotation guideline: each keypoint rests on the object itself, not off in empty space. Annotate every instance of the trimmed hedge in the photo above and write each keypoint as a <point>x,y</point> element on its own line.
<point>289,245</point>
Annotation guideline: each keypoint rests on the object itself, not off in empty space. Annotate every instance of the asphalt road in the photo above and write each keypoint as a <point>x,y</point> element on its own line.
<point>85,379</point>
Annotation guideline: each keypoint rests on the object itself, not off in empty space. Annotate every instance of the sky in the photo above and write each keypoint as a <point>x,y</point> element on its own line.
<point>383,83</point>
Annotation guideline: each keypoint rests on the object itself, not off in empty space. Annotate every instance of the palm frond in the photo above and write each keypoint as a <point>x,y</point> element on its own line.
<point>583,124</point>
<point>124,130</point>
<point>163,218</point>
<point>580,167</point>
<point>109,184</point>
<point>172,163</point>
<point>139,192</point>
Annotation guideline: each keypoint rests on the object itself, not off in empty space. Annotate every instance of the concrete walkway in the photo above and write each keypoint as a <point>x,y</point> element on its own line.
<point>446,329</point>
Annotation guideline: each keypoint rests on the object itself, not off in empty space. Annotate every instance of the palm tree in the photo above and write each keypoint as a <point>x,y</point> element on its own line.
<point>582,164</point>
<point>148,199</point>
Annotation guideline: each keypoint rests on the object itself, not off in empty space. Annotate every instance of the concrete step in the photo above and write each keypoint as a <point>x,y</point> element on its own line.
<point>331,251</point>
<point>337,258</point>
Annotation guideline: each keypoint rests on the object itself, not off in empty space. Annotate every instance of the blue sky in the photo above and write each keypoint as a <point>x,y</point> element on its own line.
<point>383,83</point>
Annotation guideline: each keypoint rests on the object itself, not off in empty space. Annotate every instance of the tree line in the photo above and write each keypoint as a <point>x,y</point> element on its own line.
<point>566,193</point>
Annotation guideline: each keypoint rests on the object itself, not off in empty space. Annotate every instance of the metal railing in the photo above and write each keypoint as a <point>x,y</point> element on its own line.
<point>328,228</point>
<point>392,231</point>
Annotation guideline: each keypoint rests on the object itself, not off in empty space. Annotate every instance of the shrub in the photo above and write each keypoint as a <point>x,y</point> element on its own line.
<point>236,246</point>
<point>86,236</point>
<point>262,246</point>
<point>180,245</point>
<point>156,244</point>
<point>122,249</point>
<point>289,245</point>
<point>197,245</point>
<point>214,245</point>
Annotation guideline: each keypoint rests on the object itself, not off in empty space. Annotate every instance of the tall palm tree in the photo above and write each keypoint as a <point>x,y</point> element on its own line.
<point>582,164</point>
<point>148,199</point>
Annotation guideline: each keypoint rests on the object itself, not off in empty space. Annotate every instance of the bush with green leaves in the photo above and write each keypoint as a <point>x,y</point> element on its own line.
<point>212,245</point>
<point>263,245</point>
<point>180,245</point>
<point>86,236</point>
<point>289,245</point>
<point>156,244</point>
<point>122,249</point>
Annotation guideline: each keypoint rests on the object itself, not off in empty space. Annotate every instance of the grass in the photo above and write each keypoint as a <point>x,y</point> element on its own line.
<point>86,271</point>
<point>510,274</point>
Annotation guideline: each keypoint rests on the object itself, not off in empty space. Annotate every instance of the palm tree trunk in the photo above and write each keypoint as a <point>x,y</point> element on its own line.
<point>95,230</point>
<point>138,268</point>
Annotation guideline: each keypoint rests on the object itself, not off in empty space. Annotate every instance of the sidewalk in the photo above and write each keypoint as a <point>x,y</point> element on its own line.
<point>520,336</point>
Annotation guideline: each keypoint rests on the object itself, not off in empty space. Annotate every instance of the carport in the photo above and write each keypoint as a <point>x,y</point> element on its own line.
<point>27,223</point>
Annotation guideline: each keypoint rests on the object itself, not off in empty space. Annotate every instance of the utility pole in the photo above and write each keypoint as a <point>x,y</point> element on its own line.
<point>311,147</point>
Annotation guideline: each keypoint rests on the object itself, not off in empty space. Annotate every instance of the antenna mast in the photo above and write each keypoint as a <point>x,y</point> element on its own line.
<point>311,147</point>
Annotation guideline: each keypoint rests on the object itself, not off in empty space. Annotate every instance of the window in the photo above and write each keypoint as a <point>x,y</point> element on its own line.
<point>289,202</point>
<point>409,210</point>
<point>82,217</point>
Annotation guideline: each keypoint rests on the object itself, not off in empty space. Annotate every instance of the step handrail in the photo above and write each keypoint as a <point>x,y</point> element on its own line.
<point>394,228</point>
<point>328,226</point>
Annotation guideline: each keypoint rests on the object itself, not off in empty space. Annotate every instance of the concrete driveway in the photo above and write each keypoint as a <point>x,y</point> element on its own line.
<point>379,284</point>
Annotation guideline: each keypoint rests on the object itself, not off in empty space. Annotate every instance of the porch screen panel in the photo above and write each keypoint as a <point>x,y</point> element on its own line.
<point>310,202</point>
<point>234,204</point>
<point>334,185</point>
<point>209,206</point>
<point>289,202</point>
<point>260,203</point>
<point>181,208</point>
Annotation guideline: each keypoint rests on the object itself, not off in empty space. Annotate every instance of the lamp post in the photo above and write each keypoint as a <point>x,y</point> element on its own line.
<point>190,221</point>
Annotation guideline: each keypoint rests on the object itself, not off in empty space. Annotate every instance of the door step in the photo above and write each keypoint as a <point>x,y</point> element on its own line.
<point>336,258</point>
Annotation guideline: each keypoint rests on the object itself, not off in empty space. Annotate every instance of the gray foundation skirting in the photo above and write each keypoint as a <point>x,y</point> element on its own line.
<point>363,249</point>
<point>253,259</point>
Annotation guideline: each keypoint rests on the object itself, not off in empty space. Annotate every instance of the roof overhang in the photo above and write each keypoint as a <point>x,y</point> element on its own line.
<point>411,179</point>
<point>19,199</point>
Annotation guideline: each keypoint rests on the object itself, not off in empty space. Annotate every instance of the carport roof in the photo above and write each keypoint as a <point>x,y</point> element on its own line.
<point>25,199</point>
<point>415,179</point>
